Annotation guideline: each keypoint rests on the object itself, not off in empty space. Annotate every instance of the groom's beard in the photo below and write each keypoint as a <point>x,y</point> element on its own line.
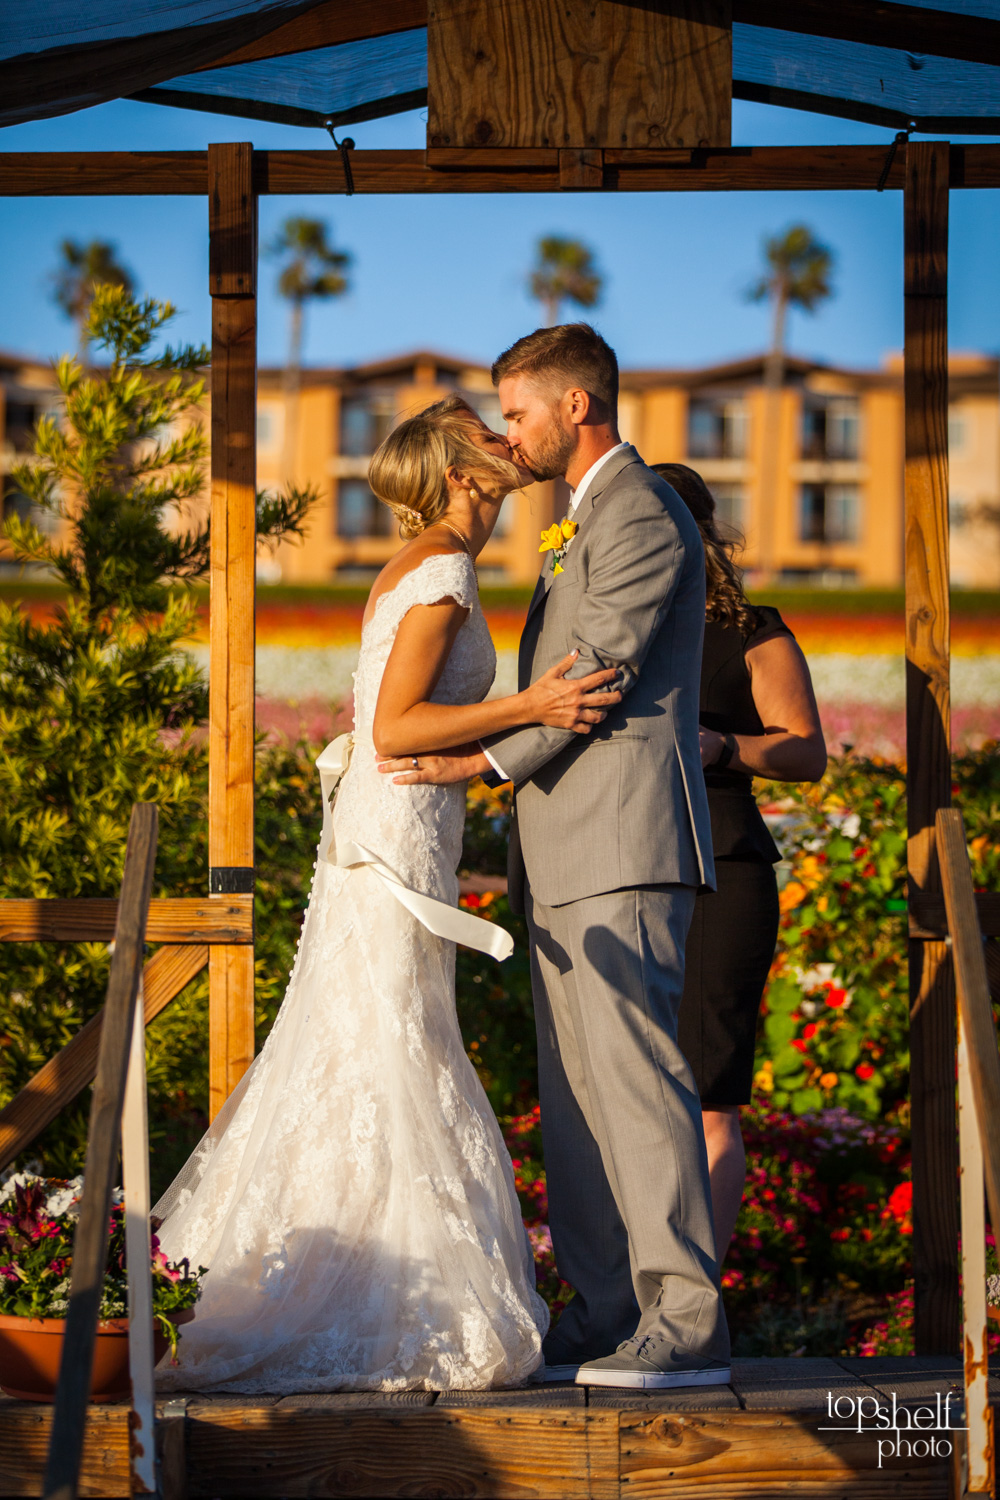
<point>550,457</point>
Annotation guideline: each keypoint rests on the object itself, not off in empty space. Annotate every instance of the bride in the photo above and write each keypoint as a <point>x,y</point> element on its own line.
<point>354,1200</point>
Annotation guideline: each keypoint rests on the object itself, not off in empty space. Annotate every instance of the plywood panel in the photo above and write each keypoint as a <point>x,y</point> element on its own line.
<point>542,73</point>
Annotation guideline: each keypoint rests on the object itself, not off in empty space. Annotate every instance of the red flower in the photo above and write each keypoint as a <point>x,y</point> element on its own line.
<point>471,900</point>
<point>869,871</point>
<point>840,1234</point>
<point>798,1044</point>
<point>900,1202</point>
<point>864,1071</point>
<point>810,1031</point>
<point>835,997</point>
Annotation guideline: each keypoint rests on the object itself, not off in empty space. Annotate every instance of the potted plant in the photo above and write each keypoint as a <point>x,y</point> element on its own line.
<point>38,1218</point>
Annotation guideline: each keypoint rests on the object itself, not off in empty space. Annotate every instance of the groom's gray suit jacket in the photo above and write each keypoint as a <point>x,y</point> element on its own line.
<point>625,805</point>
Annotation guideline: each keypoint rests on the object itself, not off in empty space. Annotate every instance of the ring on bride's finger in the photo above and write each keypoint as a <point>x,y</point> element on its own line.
<point>416,763</point>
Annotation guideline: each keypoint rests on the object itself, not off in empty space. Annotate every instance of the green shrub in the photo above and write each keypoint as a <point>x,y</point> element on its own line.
<point>101,707</point>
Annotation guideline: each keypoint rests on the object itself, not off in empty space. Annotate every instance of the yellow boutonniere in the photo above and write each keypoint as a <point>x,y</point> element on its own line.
<point>556,538</point>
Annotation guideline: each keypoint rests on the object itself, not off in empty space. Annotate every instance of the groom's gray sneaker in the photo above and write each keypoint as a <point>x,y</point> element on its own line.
<point>648,1363</point>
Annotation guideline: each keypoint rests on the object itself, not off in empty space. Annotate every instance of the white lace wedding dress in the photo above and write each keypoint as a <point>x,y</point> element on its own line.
<point>354,1200</point>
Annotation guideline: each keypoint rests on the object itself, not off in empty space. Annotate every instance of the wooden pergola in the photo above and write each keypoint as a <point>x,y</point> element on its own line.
<point>649,113</point>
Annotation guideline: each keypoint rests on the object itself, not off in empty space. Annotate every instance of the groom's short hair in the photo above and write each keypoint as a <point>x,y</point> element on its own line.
<point>569,354</point>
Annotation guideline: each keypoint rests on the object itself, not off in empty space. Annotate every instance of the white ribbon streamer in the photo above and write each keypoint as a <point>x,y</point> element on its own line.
<point>448,922</point>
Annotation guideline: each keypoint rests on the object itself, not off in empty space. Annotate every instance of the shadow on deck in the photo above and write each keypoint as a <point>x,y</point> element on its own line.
<point>768,1434</point>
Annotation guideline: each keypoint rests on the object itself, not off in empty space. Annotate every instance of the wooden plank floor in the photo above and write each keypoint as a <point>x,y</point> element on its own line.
<point>768,1434</point>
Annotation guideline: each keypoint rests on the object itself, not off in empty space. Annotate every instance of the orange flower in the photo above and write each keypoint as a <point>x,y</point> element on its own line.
<point>793,895</point>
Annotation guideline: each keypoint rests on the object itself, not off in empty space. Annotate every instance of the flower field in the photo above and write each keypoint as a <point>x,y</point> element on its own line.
<point>821,1259</point>
<point>307,653</point>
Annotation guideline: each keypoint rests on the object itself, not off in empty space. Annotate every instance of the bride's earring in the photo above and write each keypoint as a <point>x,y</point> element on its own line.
<point>473,494</point>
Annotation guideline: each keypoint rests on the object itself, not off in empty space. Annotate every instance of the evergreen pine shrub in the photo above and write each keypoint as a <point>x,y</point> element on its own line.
<point>100,707</point>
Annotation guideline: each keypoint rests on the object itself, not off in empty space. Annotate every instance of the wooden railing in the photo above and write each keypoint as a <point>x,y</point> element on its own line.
<point>90,1245</point>
<point>979,1145</point>
<point>188,926</point>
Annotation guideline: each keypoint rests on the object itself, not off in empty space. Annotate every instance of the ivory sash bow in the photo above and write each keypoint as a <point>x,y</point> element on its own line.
<point>448,922</point>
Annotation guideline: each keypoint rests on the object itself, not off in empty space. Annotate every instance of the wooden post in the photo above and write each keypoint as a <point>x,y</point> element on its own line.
<point>233,284</point>
<point>90,1242</point>
<point>928,742</point>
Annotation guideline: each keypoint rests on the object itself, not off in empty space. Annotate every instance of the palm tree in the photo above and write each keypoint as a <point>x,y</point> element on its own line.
<point>564,272</point>
<point>82,269</point>
<point>313,269</point>
<point>797,274</point>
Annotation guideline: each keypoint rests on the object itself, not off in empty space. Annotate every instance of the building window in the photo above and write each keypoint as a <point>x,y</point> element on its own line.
<point>268,428</point>
<point>956,431</point>
<point>717,428</point>
<point>12,501</point>
<point>19,425</point>
<point>360,512</point>
<point>830,428</point>
<point>730,505</point>
<point>365,420</point>
<point>828,513</point>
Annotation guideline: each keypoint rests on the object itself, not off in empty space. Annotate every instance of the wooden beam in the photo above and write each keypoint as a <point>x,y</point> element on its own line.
<point>90,1241</point>
<point>319,1449</point>
<point>188,919</point>
<point>942,33</point>
<point>738,169</point>
<point>25,1435</point>
<point>520,170</point>
<point>928,741</point>
<point>515,73</point>
<point>233,285</point>
<point>57,1083</point>
<point>328,25</point>
<point>929,920</point>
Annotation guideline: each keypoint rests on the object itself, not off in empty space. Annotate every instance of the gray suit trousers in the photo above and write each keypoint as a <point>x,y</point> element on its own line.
<point>629,1205</point>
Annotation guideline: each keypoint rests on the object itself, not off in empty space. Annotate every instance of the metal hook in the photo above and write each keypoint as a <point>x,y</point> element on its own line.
<point>344,146</point>
<point>901,137</point>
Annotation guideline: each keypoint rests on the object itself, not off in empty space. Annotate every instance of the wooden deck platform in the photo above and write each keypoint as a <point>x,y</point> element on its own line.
<point>766,1435</point>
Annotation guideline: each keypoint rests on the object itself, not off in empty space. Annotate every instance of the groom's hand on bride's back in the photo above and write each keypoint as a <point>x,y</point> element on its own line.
<point>439,768</point>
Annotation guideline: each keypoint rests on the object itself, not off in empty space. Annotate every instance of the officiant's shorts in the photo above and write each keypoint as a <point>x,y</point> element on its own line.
<point>727,958</point>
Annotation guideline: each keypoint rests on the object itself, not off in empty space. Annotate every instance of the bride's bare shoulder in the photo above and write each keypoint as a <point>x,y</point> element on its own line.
<point>408,558</point>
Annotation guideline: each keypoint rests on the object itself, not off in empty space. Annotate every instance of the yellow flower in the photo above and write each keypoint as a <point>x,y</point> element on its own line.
<point>828,1081</point>
<point>569,529</point>
<point>764,1079</point>
<point>557,567</point>
<point>552,538</point>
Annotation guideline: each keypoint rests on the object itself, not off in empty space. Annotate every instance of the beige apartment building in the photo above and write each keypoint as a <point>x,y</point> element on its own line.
<point>811,475</point>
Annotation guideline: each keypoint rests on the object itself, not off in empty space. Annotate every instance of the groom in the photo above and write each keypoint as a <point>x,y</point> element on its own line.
<point>609,843</point>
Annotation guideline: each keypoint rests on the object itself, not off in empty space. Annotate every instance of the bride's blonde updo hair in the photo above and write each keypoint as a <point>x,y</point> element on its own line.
<point>407,472</point>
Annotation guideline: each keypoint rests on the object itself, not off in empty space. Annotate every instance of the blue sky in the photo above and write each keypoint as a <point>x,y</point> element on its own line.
<point>450,272</point>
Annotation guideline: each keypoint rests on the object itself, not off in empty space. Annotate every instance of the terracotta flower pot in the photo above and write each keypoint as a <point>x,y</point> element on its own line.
<point>30,1351</point>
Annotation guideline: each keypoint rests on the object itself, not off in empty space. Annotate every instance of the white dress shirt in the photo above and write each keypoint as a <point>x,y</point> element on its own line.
<point>575,497</point>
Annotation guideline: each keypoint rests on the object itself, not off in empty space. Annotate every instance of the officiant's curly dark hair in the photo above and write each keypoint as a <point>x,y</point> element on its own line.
<point>724,596</point>
<point>407,472</point>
